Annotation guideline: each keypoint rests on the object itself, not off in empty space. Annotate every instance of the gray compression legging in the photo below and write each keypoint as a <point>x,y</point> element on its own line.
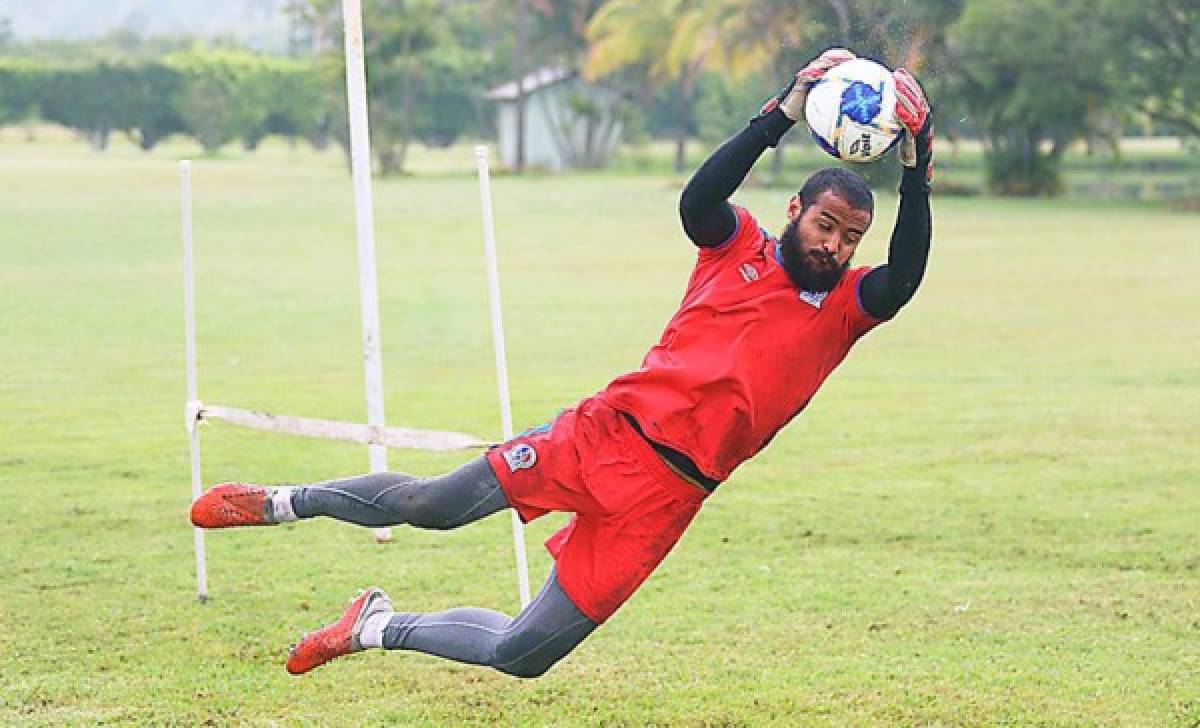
<point>393,499</point>
<point>527,646</point>
<point>524,646</point>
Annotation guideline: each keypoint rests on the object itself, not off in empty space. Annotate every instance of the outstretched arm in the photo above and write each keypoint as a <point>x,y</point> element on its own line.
<point>704,207</point>
<point>887,288</point>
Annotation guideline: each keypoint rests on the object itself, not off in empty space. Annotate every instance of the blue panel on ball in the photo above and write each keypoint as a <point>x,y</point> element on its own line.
<point>861,102</point>
<point>826,146</point>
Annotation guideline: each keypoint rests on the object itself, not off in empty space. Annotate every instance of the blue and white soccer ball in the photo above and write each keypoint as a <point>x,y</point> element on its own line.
<point>851,111</point>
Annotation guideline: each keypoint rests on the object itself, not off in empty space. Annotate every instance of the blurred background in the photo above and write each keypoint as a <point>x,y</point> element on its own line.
<point>1085,98</point>
<point>987,517</point>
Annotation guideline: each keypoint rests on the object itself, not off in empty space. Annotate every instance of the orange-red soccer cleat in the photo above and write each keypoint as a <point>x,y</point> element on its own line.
<point>339,638</point>
<point>232,504</point>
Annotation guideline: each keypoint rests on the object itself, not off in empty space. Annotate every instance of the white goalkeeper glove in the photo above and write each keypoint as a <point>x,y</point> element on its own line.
<point>791,100</point>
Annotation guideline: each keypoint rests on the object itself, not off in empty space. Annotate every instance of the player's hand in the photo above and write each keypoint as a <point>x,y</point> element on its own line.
<point>791,100</point>
<point>916,148</point>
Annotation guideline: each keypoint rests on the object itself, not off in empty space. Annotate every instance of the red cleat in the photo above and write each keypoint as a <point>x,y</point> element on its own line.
<point>232,504</point>
<point>339,638</point>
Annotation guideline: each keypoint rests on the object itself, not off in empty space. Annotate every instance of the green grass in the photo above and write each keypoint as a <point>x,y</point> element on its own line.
<point>987,517</point>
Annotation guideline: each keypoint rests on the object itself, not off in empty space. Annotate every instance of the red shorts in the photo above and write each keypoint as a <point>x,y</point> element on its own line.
<point>630,507</point>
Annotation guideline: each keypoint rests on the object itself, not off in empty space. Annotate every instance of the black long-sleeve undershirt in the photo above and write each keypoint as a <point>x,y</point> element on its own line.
<point>886,288</point>
<point>709,220</point>
<point>704,206</point>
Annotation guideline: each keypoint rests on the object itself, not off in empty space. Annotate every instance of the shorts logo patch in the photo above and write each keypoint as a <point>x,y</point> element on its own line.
<point>749,272</point>
<point>521,457</point>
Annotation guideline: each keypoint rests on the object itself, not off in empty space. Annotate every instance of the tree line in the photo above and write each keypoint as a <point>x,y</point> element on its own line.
<point>214,96</point>
<point>1027,77</point>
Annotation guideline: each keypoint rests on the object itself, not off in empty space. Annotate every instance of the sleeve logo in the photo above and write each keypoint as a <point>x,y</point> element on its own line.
<point>521,457</point>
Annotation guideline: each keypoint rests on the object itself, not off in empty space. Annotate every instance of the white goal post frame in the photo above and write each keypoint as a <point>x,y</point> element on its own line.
<point>375,434</point>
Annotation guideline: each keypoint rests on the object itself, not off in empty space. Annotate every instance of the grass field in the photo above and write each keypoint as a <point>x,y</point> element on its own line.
<point>989,516</point>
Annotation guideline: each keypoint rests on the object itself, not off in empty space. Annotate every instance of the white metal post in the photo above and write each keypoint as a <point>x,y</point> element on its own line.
<point>360,165</point>
<point>493,274</point>
<point>189,317</point>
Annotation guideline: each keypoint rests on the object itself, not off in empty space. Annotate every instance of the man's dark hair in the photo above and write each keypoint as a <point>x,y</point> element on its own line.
<point>845,184</point>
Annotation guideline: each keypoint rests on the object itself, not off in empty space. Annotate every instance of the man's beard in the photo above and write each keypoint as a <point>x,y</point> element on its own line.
<point>815,270</point>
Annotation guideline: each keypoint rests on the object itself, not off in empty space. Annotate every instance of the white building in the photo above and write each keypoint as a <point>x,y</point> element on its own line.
<point>568,123</point>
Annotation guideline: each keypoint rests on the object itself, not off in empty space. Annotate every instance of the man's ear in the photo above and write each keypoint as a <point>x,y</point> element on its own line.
<point>794,207</point>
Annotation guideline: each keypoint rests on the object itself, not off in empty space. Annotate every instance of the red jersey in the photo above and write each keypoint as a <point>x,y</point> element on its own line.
<point>743,355</point>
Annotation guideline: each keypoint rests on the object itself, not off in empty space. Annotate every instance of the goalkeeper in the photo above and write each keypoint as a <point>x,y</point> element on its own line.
<point>763,322</point>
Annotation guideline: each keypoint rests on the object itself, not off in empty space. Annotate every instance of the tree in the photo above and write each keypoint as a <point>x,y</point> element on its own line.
<point>315,25</point>
<point>294,101</point>
<point>222,97</point>
<point>227,95</point>
<point>785,35</point>
<point>723,105</point>
<point>1034,75</point>
<point>139,99</point>
<point>519,68</point>
<point>422,60</point>
<point>20,90</point>
<point>909,34</point>
<point>557,30</point>
<point>1161,60</point>
<point>404,39</point>
<point>152,104</point>
<point>899,34</point>
<point>627,33</point>
<point>671,42</point>
<point>71,98</point>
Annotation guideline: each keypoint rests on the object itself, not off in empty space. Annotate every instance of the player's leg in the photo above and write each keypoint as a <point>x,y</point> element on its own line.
<point>524,646</point>
<point>381,499</point>
<point>447,501</point>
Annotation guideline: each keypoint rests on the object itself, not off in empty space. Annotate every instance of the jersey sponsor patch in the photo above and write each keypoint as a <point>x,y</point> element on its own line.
<point>521,457</point>
<point>813,299</point>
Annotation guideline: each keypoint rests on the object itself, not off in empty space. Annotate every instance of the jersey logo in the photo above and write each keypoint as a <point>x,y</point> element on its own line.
<point>813,299</point>
<point>521,457</point>
<point>749,272</point>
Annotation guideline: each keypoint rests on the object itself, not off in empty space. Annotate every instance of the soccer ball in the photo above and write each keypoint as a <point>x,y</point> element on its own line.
<point>851,111</point>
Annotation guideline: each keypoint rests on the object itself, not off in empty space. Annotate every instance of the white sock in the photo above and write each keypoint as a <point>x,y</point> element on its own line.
<point>372,631</point>
<point>281,505</point>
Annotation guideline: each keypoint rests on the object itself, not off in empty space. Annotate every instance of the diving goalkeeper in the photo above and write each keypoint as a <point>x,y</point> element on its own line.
<point>763,322</point>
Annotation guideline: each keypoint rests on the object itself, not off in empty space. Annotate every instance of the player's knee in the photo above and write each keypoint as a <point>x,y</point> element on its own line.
<point>418,506</point>
<point>515,657</point>
<point>437,524</point>
<point>525,669</point>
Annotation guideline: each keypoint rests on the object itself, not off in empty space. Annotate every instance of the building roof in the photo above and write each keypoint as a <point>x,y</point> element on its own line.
<point>533,81</point>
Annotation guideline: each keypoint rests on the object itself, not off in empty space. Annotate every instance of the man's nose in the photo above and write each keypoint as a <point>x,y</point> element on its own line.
<point>830,243</point>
